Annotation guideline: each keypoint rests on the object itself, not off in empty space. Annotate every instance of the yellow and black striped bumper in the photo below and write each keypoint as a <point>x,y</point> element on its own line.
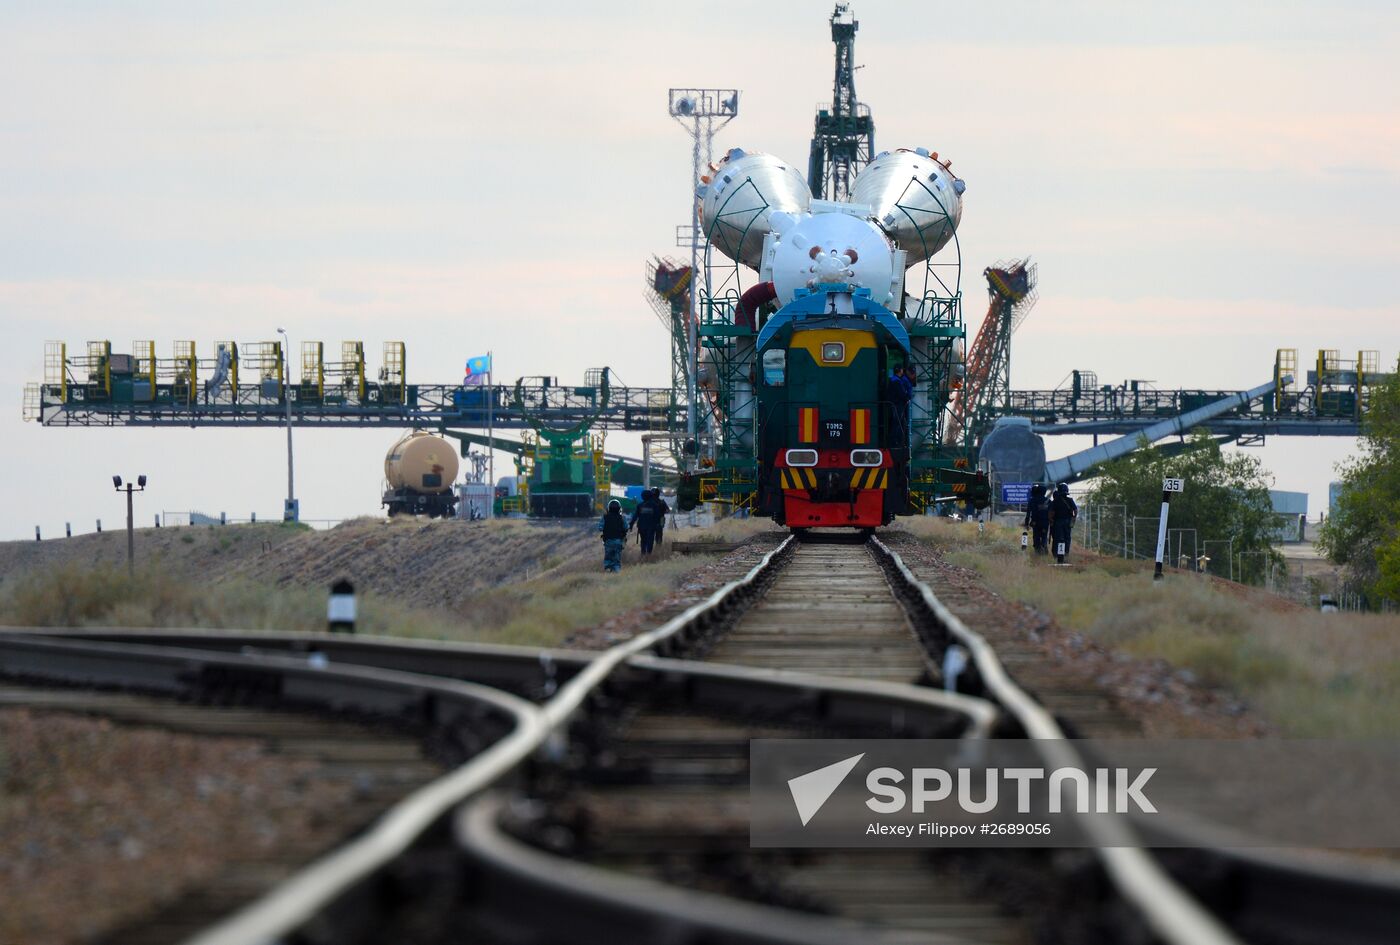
<point>806,478</point>
<point>872,477</point>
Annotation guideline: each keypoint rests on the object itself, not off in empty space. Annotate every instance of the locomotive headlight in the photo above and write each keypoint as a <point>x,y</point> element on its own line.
<point>834,351</point>
<point>802,457</point>
<point>866,458</point>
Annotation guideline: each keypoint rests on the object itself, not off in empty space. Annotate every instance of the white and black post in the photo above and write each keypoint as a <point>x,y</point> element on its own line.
<point>340,607</point>
<point>1168,487</point>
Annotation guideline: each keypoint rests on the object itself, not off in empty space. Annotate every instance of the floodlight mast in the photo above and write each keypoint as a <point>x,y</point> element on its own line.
<point>129,488</point>
<point>702,113</point>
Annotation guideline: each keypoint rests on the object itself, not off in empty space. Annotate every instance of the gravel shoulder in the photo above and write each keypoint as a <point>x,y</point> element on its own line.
<point>105,824</point>
<point>1143,697</point>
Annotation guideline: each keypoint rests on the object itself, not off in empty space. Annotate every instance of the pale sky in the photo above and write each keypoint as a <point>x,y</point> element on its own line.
<point>1200,183</point>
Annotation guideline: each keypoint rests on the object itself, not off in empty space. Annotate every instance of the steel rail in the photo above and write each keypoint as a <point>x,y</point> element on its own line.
<point>296,902</point>
<point>1281,894</point>
<point>1273,873</point>
<point>1168,909</point>
<point>588,903</point>
<point>184,671</point>
<point>517,669</point>
<point>1171,912</point>
<point>843,699</point>
<point>291,906</point>
<point>526,669</point>
<point>591,903</point>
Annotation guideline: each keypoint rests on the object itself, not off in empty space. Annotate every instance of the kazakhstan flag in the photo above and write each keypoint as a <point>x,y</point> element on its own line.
<point>477,369</point>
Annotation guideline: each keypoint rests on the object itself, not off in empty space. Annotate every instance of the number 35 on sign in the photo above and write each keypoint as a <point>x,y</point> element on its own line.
<point>1173,485</point>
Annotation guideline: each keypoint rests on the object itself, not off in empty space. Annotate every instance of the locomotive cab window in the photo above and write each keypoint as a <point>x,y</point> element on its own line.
<point>775,367</point>
<point>833,351</point>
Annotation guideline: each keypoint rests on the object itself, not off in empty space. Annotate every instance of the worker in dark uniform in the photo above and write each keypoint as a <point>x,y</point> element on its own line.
<point>899,392</point>
<point>644,519</point>
<point>906,378</point>
<point>1063,512</point>
<point>663,509</point>
<point>614,529</point>
<point>1038,518</point>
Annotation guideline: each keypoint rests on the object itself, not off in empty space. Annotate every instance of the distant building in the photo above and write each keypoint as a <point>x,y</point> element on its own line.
<point>1334,492</point>
<point>1290,514</point>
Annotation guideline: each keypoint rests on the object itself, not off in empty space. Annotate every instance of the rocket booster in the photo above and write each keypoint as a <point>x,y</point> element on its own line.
<point>905,206</point>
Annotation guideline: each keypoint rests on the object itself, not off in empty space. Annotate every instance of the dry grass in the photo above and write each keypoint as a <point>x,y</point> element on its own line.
<point>726,530</point>
<point>505,581</point>
<point>1311,674</point>
<point>104,596</point>
<point>569,595</point>
<point>543,611</point>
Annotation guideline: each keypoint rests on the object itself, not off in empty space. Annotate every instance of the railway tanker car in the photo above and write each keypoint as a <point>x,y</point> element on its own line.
<point>419,471</point>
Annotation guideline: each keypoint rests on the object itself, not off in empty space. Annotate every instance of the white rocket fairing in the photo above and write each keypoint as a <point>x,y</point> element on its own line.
<point>914,197</point>
<point>905,206</point>
<point>743,191</point>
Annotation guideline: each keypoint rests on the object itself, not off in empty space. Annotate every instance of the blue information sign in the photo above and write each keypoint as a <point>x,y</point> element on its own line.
<point>1015,493</point>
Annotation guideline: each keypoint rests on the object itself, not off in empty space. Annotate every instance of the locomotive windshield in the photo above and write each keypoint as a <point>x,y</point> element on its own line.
<point>775,367</point>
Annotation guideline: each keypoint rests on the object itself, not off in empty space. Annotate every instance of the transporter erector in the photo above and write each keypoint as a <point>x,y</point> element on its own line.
<point>805,327</point>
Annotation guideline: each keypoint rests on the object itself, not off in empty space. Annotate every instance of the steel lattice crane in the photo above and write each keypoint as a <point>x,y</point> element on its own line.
<point>986,388</point>
<point>843,139</point>
<point>668,292</point>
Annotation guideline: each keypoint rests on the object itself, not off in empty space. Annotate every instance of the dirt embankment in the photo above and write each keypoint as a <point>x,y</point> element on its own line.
<point>190,551</point>
<point>416,562</point>
<point>423,563</point>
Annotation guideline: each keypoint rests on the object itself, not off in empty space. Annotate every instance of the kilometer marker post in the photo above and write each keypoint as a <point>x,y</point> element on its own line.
<point>1168,487</point>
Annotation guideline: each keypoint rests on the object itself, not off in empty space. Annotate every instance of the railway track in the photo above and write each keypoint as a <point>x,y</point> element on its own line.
<point>859,629</point>
<point>662,794</point>
<point>1081,708</point>
<point>605,802</point>
<point>657,790</point>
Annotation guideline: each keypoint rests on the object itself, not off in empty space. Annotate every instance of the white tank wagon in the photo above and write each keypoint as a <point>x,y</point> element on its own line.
<point>419,472</point>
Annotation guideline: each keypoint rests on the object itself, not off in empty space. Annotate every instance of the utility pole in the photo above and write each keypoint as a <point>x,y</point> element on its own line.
<point>1168,487</point>
<point>130,520</point>
<point>289,512</point>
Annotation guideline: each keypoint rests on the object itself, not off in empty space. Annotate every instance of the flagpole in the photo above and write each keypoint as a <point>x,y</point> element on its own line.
<point>491,433</point>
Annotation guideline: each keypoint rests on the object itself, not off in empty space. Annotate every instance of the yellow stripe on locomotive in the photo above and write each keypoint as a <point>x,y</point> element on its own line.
<point>871,478</point>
